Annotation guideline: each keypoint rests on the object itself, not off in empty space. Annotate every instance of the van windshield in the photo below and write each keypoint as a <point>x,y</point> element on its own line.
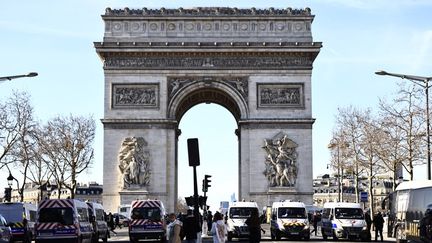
<point>237,212</point>
<point>153,214</point>
<point>12,212</point>
<point>349,213</point>
<point>60,215</point>
<point>284,213</point>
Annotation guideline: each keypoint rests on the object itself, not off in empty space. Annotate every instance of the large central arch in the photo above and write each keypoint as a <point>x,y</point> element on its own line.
<point>160,63</point>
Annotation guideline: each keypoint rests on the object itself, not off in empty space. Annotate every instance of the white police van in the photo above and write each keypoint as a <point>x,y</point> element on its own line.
<point>343,220</point>
<point>290,220</point>
<point>238,212</point>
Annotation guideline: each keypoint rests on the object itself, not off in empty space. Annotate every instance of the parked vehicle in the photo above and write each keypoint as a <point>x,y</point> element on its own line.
<point>238,212</point>
<point>21,218</point>
<point>343,220</point>
<point>63,220</point>
<point>5,231</point>
<point>97,219</point>
<point>147,220</point>
<point>410,212</point>
<point>124,210</point>
<point>290,220</point>
<point>123,220</point>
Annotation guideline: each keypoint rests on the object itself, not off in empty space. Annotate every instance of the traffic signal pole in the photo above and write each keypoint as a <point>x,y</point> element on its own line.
<point>196,202</point>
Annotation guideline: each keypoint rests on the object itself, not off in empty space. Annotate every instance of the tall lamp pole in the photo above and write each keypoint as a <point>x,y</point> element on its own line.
<point>424,83</point>
<point>9,78</point>
<point>336,143</point>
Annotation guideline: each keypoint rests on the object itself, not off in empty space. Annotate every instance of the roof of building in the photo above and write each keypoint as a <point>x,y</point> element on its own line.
<point>414,184</point>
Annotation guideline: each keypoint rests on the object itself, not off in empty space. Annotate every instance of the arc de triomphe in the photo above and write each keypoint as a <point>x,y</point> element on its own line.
<point>257,63</point>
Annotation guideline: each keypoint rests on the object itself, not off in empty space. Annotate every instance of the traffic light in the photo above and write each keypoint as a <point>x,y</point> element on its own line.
<point>202,201</point>
<point>206,183</point>
<point>8,194</point>
<point>190,201</point>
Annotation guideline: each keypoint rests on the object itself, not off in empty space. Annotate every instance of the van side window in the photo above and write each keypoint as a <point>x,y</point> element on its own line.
<point>82,212</point>
<point>99,214</point>
<point>326,213</point>
<point>32,215</point>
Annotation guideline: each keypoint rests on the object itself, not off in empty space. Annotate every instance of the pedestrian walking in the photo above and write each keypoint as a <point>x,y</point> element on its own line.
<point>219,230</point>
<point>378,222</point>
<point>117,221</point>
<point>190,227</point>
<point>209,220</point>
<point>316,218</point>
<point>368,224</point>
<point>111,224</point>
<point>173,229</point>
<point>254,227</point>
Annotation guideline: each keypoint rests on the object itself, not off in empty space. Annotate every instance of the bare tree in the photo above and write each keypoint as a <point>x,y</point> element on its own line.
<point>348,122</point>
<point>39,168</point>
<point>338,148</point>
<point>406,114</point>
<point>181,206</point>
<point>16,126</point>
<point>390,147</point>
<point>371,161</point>
<point>67,143</point>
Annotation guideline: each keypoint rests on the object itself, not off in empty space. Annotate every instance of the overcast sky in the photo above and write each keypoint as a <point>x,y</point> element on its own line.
<point>55,39</point>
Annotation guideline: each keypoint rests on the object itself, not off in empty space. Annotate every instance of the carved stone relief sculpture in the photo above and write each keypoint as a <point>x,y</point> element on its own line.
<point>135,95</point>
<point>280,95</point>
<point>281,161</point>
<point>134,163</point>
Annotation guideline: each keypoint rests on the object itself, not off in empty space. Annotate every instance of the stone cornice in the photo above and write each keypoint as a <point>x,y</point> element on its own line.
<point>229,45</point>
<point>280,123</point>
<point>139,123</point>
<point>207,11</point>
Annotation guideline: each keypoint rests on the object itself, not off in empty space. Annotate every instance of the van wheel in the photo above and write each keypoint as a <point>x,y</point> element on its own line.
<point>334,236</point>
<point>278,236</point>
<point>105,238</point>
<point>324,236</point>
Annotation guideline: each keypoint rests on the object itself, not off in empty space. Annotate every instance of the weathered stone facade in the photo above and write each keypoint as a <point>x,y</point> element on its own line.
<point>257,63</point>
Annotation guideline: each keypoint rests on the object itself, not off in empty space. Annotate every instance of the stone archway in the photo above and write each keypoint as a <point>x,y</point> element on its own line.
<point>159,63</point>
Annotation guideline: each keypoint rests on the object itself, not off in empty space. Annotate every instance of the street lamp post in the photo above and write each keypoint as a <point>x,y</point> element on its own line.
<point>9,179</point>
<point>9,78</point>
<point>339,169</point>
<point>424,83</point>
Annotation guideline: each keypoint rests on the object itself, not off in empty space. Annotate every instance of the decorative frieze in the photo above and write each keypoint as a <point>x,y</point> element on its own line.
<point>221,61</point>
<point>209,11</point>
<point>135,96</point>
<point>288,95</point>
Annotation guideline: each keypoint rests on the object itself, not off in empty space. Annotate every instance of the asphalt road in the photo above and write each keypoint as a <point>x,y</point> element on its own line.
<point>122,236</point>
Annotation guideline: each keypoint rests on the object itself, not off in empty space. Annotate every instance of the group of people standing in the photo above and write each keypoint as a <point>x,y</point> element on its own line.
<point>378,222</point>
<point>188,230</point>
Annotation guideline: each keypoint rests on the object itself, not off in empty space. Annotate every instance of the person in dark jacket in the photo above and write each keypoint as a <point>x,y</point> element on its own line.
<point>378,222</point>
<point>368,224</point>
<point>254,227</point>
<point>190,227</point>
<point>316,217</point>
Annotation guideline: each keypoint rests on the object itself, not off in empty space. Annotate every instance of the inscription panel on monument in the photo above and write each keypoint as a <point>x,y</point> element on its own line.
<point>132,96</point>
<point>280,95</point>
